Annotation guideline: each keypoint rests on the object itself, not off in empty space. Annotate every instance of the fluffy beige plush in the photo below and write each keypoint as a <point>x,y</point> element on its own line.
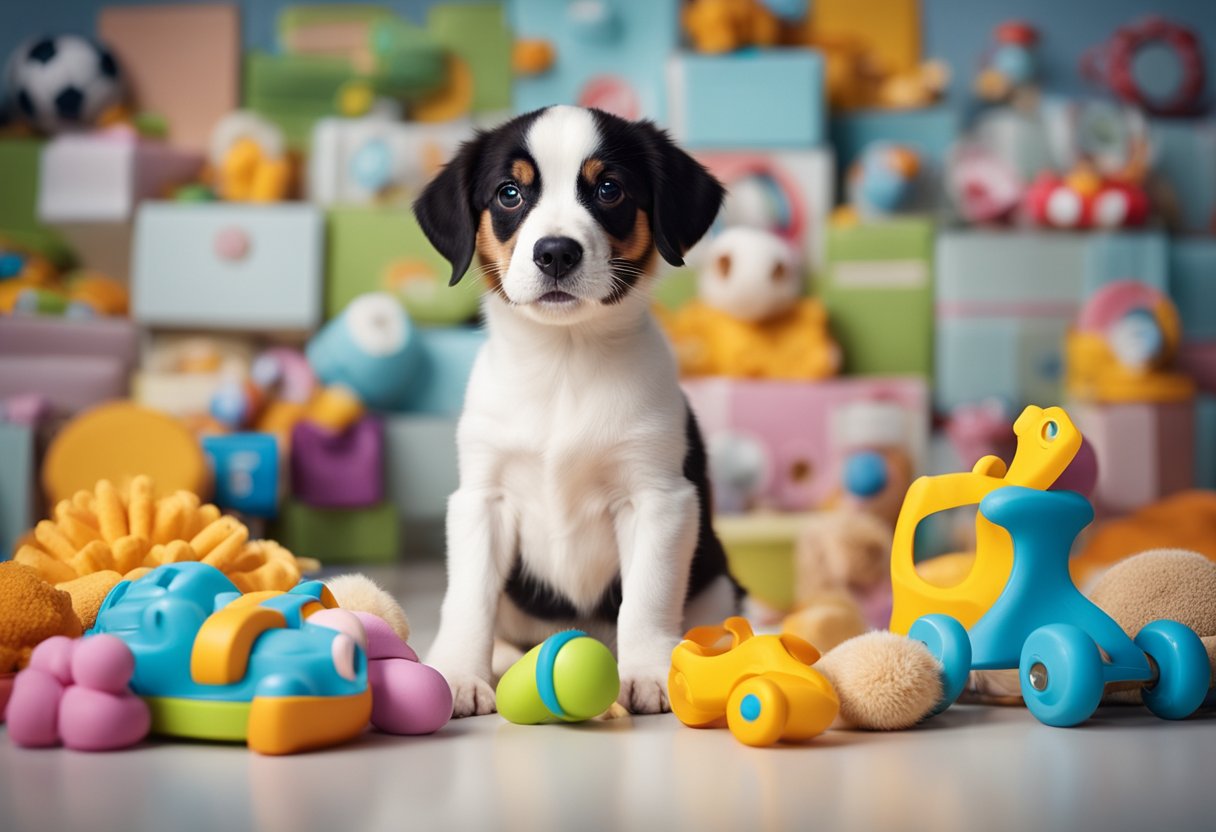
<point>360,593</point>
<point>885,682</point>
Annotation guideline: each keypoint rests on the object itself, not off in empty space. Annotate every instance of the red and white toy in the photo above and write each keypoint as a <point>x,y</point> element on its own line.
<point>1085,199</point>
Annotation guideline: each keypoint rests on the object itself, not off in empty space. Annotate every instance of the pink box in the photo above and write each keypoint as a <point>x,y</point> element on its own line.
<point>70,382</point>
<point>116,338</point>
<point>1145,451</point>
<point>1199,360</point>
<point>805,428</point>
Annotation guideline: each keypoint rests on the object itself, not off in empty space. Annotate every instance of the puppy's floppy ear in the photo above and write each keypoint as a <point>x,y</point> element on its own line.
<point>686,196</point>
<point>446,212</point>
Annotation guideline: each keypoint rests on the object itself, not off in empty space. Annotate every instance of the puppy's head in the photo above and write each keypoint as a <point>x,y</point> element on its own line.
<point>567,208</point>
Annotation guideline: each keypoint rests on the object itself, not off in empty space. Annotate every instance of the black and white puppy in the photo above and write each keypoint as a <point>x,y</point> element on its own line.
<point>583,499</point>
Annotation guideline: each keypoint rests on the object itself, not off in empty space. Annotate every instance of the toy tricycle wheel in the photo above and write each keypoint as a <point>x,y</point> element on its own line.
<point>949,643</point>
<point>1183,670</point>
<point>1061,675</point>
<point>757,711</point>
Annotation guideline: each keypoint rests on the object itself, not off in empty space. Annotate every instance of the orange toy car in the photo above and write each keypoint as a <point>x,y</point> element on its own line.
<point>763,687</point>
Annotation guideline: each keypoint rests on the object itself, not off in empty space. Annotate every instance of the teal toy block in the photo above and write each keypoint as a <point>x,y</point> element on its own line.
<point>365,535</point>
<point>1004,301</point>
<point>771,98</point>
<point>1205,441</point>
<point>613,59</point>
<point>421,473</point>
<point>1143,256</point>
<point>477,34</point>
<point>246,471</point>
<point>16,484</point>
<point>448,354</point>
<point>930,131</point>
<point>228,266</point>
<point>1185,158</point>
<point>1193,286</point>
<point>878,289</point>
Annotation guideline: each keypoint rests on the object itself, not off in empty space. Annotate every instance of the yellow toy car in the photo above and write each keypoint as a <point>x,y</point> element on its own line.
<point>762,687</point>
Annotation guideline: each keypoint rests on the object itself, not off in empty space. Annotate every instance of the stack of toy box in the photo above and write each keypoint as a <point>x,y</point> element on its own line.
<point>1193,287</point>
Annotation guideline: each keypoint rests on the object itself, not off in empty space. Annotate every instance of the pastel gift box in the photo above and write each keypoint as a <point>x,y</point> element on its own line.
<point>770,98</point>
<point>803,426</point>
<point>362,535</point>
<point>227,266</point>
<point>421,473</point>
<point>245,467</point>
<point>1205,441</point>
<point>16,484</point>
<point>613,60</point>
<point>878,288</point>
<point>1192,286</point>
<point>382,249</point>
<point>1144,451</point>
<point>1184,153</point>
<point>338,469</point>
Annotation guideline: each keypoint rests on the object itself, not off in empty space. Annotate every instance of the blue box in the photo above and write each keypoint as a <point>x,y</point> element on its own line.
<point>1004,302</point>
<point>421,472</point>
<point>245,467</point>
<point>228,266</point>
<point>1143,256</point>
<point>16,484</point>
<point>615,62</point>
<point>1205,441</point>
<point>1185,158</point>
<point>930,131</point>
<point>771,99</point>
<point>448,354</point>
<point>1193,286</point>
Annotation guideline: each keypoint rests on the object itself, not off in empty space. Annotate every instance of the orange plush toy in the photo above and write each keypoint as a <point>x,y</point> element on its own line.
<point>31,611</point>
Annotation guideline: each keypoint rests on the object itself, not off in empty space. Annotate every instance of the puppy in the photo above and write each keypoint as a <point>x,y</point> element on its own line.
<point>583,499</point>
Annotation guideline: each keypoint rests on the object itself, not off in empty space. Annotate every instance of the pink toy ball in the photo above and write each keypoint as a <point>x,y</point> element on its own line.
<point>104,663</point>
<point>54,657</point>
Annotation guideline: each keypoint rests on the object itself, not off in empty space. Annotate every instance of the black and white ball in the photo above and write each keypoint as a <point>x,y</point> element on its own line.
<point>63,82</point>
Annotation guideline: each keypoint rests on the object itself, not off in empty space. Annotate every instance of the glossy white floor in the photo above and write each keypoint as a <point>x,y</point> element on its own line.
<point>970,769</point>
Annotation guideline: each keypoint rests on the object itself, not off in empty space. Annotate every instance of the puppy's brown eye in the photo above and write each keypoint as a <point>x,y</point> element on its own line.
<point>609,192</point>
<point>509,196</point>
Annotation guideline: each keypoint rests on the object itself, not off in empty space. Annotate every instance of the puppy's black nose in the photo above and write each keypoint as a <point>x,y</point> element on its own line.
<point>556,256</point>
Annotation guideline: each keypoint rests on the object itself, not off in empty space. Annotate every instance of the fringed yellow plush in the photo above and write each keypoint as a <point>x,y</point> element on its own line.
<point>103,531</point>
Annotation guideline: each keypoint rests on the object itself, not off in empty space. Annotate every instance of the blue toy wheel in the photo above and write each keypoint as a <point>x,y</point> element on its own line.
<point>1183,671</point>
<point>949,643</point>
<point>1061,675</point>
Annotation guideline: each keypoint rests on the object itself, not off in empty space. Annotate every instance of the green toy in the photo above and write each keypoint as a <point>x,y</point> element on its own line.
<point>569,677</point>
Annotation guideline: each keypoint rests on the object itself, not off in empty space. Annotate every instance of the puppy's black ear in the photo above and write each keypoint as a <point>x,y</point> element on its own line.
<point>686,197</point>
<point>446,212</point>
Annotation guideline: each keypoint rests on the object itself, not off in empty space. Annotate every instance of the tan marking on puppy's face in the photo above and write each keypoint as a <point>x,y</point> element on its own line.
<point>592,169</point>
<point>523,172</point>
<point>639,245</point>
<point>495,254</point>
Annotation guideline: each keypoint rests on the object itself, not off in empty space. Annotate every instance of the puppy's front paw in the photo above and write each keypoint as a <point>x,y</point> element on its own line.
<point>644,690</point>
<point>471,695</point>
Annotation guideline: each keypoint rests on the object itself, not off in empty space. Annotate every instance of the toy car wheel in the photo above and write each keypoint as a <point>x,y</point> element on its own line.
<point>757,711</point>
<point>949,643</point>
<point>1061,675</point>
<point>1183,671</point>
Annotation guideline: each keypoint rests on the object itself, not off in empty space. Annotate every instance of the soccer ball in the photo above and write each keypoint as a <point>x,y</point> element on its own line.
<point>62,83</point>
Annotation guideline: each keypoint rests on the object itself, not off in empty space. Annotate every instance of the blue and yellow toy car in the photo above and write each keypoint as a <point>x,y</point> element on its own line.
<point>215,664</point>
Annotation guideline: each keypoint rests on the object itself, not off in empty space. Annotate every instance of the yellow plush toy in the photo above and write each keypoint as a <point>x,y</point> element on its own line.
<point>750,320</point>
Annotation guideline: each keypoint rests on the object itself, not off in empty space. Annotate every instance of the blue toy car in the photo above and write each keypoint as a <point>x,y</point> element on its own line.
<point>215,664</point>
<point>1065,648</point>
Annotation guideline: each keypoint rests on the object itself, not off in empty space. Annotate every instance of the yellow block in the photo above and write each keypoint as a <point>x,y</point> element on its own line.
<point>119,441</point>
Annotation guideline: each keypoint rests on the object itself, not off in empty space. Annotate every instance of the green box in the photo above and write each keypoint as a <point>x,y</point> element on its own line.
<point>478,35</point>
<point>20,163</point>
<point>362,535</point>
<point>878,289</point>
<point>382,249</point>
